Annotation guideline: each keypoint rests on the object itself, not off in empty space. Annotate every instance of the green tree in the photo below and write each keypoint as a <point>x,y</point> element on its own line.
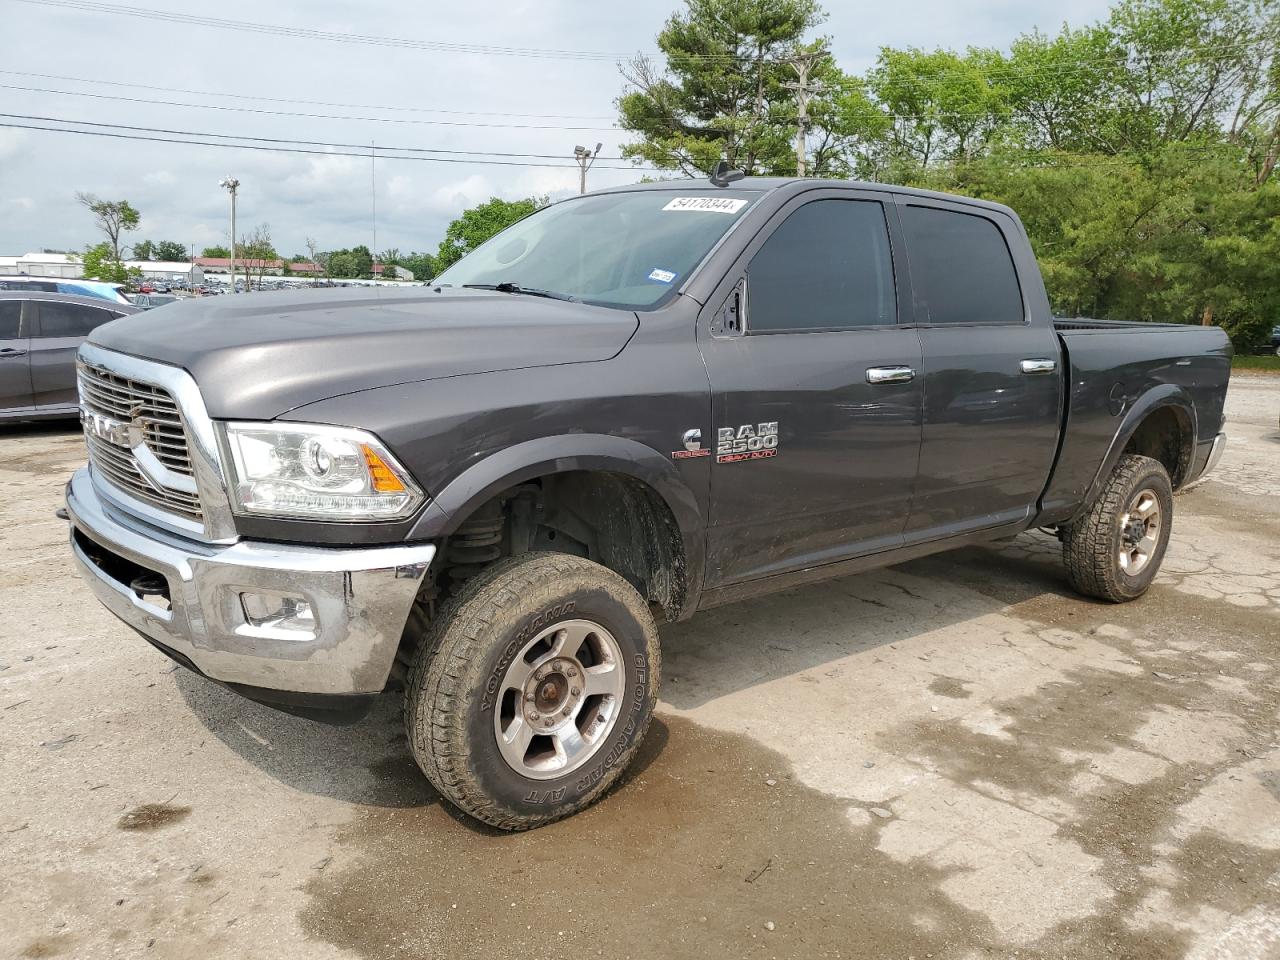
<point>722,91</point>
<point>113,217</point>
<point>256,253</point>
<point>353,264</point>
<point>423,265</point>
<point>100,263</point>
<point>216,252</point>
<point>172,251</point>
<point>144,250</point>
<point>479,223</point>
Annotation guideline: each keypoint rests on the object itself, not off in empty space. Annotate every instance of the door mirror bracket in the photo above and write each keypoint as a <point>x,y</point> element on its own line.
<point>731,319</point>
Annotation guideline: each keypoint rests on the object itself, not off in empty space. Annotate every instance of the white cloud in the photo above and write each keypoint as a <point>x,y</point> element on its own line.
<point>11,142</point>
<point>328,196</point>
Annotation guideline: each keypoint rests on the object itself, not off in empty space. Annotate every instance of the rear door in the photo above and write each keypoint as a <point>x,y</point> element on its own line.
<point>15,364</point>
<point>992,388</point>
<point>61,327</point>
<point>815,401</point>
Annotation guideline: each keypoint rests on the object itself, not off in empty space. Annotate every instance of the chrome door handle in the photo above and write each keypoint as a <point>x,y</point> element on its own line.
<point>1039,365</point>
<point>890,374</point>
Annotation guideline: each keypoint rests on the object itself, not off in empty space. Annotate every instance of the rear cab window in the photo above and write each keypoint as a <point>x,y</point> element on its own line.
<point>961,269</point>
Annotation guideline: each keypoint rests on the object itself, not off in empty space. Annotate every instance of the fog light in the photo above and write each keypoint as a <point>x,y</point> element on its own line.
<point>279,612</point>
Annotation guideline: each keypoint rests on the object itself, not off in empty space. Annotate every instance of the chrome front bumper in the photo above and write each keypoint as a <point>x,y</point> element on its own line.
<point>359,599</point>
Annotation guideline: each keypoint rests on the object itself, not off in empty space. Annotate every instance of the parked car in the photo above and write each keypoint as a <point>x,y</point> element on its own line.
<point>628,407</point>
<point>1275,340</point>
<point>39,335</point>
<point>149,301</point>
<point>86,288</point>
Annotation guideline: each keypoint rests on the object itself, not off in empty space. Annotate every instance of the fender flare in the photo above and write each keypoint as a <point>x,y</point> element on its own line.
<point>521,462</point>
<point>1159,397</point>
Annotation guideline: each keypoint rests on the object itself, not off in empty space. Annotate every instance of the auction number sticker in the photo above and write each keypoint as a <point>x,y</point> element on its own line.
<point>707,204</point>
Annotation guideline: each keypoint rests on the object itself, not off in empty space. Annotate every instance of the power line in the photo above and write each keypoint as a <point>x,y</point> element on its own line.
<point>310,34</point>
<point>91,6</point>
<point>311,103</point>
<point>362,154</point>
<point>381,151</point>
<point>289,113</point>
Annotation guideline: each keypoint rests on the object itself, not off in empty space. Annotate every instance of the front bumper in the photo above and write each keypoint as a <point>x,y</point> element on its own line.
<point>359,600</point>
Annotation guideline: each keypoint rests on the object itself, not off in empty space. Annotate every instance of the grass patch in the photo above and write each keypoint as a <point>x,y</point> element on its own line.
<point>1271,364</point>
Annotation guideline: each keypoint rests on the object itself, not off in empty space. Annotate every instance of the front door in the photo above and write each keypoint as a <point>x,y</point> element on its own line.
<point>992,383</point>
<point>816,398</point>
<point>60,329</point>
<point>15,370</point>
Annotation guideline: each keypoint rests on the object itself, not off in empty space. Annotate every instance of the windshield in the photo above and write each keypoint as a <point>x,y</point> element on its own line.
<point>614,249</point>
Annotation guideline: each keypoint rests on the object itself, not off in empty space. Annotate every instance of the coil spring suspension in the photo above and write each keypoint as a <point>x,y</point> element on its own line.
<point>477,543</point>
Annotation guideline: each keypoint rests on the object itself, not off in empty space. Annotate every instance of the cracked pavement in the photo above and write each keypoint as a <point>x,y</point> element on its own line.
<point>955,757</point>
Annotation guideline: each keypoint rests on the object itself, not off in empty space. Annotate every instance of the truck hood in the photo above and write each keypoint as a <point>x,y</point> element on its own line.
<point>259,355</point>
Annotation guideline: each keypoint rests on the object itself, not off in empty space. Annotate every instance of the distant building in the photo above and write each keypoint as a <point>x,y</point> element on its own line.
<point>62,266</point>
<point>221,266</point>
<point>168,271</point>
<point>306,268</point>
<point>401,273</point>
<point>65,266</point>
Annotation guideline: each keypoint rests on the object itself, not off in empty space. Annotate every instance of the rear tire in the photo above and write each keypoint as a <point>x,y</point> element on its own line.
<point>532,689</point>
<point>1114,550</point>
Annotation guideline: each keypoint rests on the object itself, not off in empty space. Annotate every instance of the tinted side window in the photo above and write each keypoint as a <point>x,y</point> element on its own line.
<point>961,269</point>
<point>69,319</point>
<point>10,315</point>
<point>827,266</point>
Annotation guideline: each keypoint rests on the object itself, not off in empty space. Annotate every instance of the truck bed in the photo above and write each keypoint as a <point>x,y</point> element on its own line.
<point>1109,365</point>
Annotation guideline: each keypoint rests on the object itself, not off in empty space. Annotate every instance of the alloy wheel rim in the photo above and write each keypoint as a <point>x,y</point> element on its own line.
<point>1140,530</point>
<point>559,699</point>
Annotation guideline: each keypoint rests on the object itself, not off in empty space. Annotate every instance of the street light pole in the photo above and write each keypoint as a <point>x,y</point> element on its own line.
<point>585,159</point>
<point>231,183</point>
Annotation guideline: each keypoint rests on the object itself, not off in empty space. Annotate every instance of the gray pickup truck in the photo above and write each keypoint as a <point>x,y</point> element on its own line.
<point>628,407</point>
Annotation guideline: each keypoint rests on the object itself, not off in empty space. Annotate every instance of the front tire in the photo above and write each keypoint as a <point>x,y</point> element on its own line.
<point>531,691</point>
<point>1114,550</point>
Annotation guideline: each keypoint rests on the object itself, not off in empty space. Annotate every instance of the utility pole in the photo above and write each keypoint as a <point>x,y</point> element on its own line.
<point>585,159</point>
<point>232,184</point>
<point>803,89</point>
<point>373,201</point>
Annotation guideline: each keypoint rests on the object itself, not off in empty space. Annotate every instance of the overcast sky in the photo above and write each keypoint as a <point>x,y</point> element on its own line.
<point>329,197</point>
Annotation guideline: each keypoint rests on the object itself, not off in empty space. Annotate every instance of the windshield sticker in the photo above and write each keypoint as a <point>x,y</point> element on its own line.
<point>707,204</point>
<point>662,276</point>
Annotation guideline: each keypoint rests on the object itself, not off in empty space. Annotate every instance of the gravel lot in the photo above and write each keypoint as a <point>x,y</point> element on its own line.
<point>951,758</point>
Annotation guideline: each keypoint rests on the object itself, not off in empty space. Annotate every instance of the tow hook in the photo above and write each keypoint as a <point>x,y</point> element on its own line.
<point>61,514</point>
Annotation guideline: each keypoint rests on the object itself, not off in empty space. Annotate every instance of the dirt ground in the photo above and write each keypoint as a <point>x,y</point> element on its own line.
<point>951,758</point>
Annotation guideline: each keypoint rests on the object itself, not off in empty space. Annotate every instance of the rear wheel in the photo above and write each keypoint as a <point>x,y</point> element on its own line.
<point>1114,550</point>
<point>532,690</point>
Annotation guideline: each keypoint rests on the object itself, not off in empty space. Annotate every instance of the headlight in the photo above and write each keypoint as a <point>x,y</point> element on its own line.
<point>309,471</point>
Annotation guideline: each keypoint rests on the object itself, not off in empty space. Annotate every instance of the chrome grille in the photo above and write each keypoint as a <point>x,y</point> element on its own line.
<point>126,400</point>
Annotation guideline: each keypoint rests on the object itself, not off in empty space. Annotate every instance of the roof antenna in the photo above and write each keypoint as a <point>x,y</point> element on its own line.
<point>723,174</point>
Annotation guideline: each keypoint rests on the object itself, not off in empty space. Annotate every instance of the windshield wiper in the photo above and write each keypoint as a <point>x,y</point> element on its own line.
<point>506,286</point>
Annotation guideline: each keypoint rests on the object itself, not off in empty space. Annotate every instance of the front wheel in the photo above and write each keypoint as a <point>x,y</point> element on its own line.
<point>1114,550</point>
<point>532,690</point>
